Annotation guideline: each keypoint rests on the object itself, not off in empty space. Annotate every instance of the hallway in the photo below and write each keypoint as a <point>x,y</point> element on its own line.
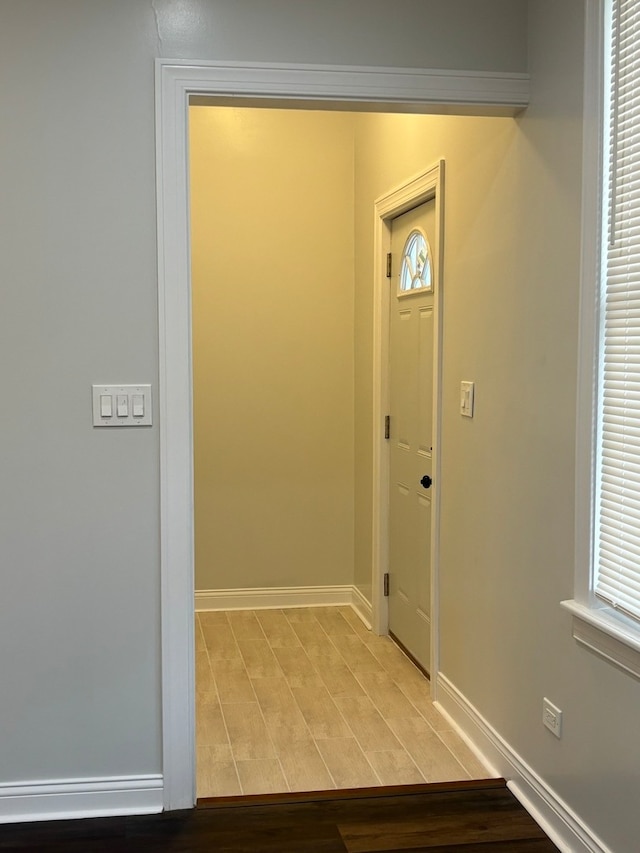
<point>309,699</point>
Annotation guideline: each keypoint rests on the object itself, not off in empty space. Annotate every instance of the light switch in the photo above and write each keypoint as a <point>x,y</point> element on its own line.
<point>122,405</point>
<point>137,405</point>
<point>466,399</point>
<point>131,405</point>
<point>106,406</point>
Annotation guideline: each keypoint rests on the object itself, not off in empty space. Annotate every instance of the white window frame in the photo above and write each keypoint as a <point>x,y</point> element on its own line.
<point>596,625</point>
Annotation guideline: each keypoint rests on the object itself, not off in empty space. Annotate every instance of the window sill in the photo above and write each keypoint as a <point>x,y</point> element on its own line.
<point>609,635</point>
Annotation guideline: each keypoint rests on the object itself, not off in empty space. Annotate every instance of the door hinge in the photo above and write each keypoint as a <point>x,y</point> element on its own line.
<point>387,426</point>
<point>385,583</point>
<point>388,264</point>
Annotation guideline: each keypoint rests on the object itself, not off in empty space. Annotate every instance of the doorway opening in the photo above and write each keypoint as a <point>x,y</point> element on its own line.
<point>176,84</point>
<point>282,270</point>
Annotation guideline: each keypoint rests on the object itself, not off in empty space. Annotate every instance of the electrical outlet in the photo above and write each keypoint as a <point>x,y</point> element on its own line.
<point>552,717</point>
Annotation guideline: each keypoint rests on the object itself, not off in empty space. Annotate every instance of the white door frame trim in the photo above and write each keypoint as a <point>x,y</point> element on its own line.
<point>428,185</point>
<point>417,90</point>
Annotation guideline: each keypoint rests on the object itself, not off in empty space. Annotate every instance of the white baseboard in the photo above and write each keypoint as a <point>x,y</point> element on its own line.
<point>282,596</point>
<point>63,799</point>
<point>362,606</point>
<point>563,826</point>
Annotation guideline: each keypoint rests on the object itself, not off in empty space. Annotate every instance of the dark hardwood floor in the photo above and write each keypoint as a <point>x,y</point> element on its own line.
<point>470,817</point>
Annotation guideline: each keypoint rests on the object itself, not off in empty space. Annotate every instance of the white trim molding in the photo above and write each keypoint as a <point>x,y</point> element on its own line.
<point>586,403</point>
<point>268,598</point>
<point>611,635</point>
<point>362,606</point>
<point>429,90</point>
<point>600,628</point>
<point>264,598</point>
<point>62,799</point>
<point>563,826</point>
<point>177,82</point>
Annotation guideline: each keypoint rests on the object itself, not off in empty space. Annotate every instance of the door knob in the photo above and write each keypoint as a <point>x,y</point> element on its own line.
<point>426,481</point>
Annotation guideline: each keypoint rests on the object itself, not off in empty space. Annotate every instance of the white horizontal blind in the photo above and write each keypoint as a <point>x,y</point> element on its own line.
<point>617,570</point>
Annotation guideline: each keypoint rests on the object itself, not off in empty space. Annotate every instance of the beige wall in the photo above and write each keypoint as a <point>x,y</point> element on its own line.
<point>273,274</point>
<point>390,149</point>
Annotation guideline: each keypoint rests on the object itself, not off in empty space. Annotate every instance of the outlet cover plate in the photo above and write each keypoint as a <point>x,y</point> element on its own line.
<point>552,717</point>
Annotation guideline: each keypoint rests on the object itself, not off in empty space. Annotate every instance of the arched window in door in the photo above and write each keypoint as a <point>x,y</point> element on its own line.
<point>416,272</point>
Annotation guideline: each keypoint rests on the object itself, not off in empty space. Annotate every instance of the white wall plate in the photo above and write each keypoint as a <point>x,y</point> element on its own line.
<point>121,405</point>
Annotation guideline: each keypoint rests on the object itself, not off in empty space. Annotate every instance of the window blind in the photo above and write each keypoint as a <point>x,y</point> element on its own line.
<point>617,570</point>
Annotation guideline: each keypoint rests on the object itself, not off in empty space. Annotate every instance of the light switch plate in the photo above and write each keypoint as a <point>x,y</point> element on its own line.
<point>467,392</point>
<point>117,393</point>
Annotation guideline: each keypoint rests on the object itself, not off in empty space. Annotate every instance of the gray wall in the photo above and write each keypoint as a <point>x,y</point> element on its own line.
<point>79,619</point>
<point>509,477</point>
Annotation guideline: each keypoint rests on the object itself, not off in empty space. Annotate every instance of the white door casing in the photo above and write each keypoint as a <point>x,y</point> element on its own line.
<point>417,90</point>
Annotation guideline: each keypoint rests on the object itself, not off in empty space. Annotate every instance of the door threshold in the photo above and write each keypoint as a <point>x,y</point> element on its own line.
<point>347,793</point>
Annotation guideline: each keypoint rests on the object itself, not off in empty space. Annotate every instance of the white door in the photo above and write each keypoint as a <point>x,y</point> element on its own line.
<point>411,363</point>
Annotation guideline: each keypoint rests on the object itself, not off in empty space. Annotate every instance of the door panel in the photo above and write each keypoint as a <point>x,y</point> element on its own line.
<point>411,341</point>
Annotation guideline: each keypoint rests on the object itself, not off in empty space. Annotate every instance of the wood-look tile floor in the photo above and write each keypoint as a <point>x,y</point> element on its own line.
<point>308,699</point>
